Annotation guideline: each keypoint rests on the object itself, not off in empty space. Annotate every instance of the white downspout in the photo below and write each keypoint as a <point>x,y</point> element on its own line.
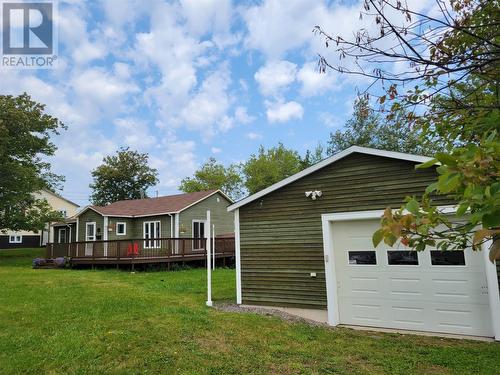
<point>176,232</point>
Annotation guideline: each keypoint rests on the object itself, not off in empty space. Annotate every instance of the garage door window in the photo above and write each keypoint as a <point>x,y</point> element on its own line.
<point>402,258</point>
<point>447,258</point>
<point>362,257</point>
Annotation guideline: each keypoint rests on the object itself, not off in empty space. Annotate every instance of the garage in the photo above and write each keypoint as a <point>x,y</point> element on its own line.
<point>396,288</point>
<point>305,243</point>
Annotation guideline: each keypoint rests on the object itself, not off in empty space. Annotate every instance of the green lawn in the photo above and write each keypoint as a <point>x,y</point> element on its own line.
<point>108,321</point>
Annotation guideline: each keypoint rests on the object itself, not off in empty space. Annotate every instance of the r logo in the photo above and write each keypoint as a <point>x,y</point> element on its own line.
<point>27,28</point>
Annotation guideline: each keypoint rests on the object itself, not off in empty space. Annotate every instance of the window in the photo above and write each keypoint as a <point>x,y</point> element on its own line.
<point>151,231</point>
<point>121,228</point>
<point>15,238</point>
<point>362,257</point>
<point>198,234</point>
<point>402,258</point>
<point>447,258</point>
<point>62,235</point>
<point>64,213</point>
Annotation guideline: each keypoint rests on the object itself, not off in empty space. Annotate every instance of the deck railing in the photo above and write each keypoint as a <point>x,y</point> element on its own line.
<point>140,248</point>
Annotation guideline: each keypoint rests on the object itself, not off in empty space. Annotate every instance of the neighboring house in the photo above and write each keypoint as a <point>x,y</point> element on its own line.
<point>19,239</point>
<point>306,242</point>
<point>174,216</point>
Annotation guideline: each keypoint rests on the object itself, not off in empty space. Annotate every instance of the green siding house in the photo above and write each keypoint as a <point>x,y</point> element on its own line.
<point>175,216</point>
<point>305,243</point>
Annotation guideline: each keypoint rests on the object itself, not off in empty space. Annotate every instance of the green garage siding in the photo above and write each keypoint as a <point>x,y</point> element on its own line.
<point>281,234</point>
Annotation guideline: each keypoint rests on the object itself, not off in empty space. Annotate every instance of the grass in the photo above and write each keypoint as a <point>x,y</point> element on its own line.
<point>109,321</point>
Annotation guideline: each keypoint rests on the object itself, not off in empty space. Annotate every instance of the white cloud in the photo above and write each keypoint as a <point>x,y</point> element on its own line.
<point>329,119</point>
<point>275,76</point>
<point>215,150</point>
<point>241,115</point>
<point>313,82</point>
<point>207,15</point>
<point>253,136</point>
<point>208,107</point>
<point>100,93</point>
<point>282,112</point>
<point>134,133</point>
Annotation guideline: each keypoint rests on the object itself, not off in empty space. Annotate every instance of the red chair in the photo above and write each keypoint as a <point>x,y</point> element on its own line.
<point>133,250</point>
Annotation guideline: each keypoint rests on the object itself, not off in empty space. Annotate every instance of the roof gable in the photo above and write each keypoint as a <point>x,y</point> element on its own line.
<point>326,162</point>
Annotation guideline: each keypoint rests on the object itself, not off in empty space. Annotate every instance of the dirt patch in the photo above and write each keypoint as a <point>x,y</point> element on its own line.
<point>267,311</point>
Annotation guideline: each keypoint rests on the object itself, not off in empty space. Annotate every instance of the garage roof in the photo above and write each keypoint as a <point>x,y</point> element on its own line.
<point>324,163</point>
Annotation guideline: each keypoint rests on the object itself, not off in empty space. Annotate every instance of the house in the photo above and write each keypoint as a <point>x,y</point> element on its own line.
<point>174,216</point>
<point>305,242</point>
<point>20,239</point>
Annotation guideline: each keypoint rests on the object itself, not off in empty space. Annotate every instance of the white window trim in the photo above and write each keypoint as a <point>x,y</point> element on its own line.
<point>94,224</point>
<point>59,234</point>
<point>192,231</point>
<point>156,243</point>
<point>124,228</point>
<point>64,213</point>
<point>16,238</point>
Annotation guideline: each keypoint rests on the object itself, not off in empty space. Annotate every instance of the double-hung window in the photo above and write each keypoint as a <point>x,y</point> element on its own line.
<point>15,238</point>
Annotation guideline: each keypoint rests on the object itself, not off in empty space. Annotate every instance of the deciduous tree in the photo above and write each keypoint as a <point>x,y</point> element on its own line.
<point>270,166</point>
<point>449,88</point>
<point>125,175</point>
<point>213,175</point>
<point>25,145</point>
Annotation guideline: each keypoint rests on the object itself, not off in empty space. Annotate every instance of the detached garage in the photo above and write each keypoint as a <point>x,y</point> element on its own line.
<point>305,242</point>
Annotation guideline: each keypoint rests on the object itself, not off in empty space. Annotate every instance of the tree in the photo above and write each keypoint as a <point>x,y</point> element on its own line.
<point>450,90</point>
<point>313,157</point>
<point>125,175</point>
<point>367,128</point>
<point>25,145</point>
<point>213,175</point>
<point>270,166</point>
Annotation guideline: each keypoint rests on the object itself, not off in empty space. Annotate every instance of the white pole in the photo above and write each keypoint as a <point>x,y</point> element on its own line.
<point>213,246</point>
<point>209,261</point>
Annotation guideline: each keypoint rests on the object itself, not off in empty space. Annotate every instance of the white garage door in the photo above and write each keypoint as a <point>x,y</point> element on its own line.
<point>426,291</point>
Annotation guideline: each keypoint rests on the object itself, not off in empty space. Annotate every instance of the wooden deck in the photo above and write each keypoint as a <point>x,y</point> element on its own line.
<point>139,251</point>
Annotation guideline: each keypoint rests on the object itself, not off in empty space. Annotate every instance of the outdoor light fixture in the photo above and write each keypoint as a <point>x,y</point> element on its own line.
<point>182,229</point>
<point>314,194</point>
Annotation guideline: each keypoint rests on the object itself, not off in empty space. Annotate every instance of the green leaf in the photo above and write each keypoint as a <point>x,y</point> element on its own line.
<point>450,184</point>
<point>427,164</point>
<point>491,220</point>
<point>462,209</point>
<point>432,187</point>
<point>446,159</point>
<point>377,237</point>
<point>413,206</point>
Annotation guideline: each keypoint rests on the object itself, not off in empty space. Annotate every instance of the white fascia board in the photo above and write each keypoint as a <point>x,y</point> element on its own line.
<point>375,214</point>
<point>324,163</point>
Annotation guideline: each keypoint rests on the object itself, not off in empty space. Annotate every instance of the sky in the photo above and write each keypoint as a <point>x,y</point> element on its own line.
<point>190,79</point>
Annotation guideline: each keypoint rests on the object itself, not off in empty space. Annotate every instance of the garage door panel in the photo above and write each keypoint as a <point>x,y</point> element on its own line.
<point>426,297</point>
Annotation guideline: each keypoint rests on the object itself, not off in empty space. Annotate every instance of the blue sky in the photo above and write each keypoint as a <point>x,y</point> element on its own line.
<point>186,80</point>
